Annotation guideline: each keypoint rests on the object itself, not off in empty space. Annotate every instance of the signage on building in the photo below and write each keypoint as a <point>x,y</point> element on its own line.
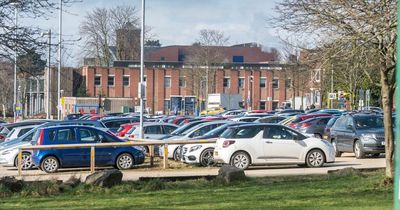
<point>332,96</point>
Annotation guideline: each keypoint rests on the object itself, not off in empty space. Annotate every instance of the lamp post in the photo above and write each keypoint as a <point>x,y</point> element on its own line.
<point>141,84</point>
<point>48,82</point>
<point>15,4</point>
<point>59,64</point>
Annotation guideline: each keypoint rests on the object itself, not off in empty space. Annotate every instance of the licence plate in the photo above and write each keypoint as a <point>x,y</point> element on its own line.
<point>383,143</point>
<point>325,137</point>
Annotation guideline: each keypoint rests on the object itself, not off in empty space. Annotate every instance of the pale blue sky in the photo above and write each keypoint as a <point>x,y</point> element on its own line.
<point>177,22</point>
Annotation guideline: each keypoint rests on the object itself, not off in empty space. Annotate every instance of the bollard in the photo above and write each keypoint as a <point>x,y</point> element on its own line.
<point>19,164</point>
<point>165,156</point>
<point>92,159</point>
<point>151,148</point>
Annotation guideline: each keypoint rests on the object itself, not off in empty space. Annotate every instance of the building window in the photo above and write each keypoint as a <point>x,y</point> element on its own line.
<point>237,59</point>
<point>182,82</point>
<point>241,82</point>
<point>262,82</point>
<point>110,80</point>
<point>227,82</point>
<point>125,80</point>
<point>97,80</point>
<point>167,106</point>
<point>275,83</point>
<point>288,83</point>
<point>262,105</point>
<point>318,75</point>
<point>167,82</point>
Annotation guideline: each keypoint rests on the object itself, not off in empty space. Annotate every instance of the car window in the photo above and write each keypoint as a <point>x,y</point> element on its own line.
<point>52,135</point>
<point>66,134</point>
<point>87,135</point>
<point>28,137</point>
<point>331,122</point>
<point>340,123</point>
<point>204,130</point>
<point>368,122</point>
<point>23,131</point>
<point>102,137</point>
<point>242,132</point>
<point>11,133</point>
<point>278,132</point>
<point>168,129</point>
<point>349,121</point>
<point>153,129</point>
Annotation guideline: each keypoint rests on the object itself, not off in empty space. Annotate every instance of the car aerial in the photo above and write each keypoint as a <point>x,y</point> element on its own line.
<point>196,131</point>
<point>313,126</point>
<point>271,119</point>
<point>9,150</point>
<point>114,123</point>
<point>18,131</point>
<point>267,144</point>
<point>52,160</point>
<point>359,133</point>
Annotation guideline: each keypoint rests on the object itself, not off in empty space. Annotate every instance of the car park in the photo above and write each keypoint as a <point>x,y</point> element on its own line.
<point>360,133</point>
<point>52,160</point>
<point>265,144</point>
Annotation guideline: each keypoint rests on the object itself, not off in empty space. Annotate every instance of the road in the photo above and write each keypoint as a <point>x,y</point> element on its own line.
<point>348,160</point>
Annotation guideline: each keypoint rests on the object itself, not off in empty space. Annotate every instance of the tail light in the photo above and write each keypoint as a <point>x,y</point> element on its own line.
<point>303,125</point>
<point>131,136</point>
<point>40,139</point>
<point>292,125</point>
<point>227,143</point>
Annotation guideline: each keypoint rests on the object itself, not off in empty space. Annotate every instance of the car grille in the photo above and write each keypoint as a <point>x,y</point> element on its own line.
<point>380,137</point>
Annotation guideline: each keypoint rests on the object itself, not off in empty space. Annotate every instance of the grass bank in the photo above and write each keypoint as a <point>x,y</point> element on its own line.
<point>356,191</point>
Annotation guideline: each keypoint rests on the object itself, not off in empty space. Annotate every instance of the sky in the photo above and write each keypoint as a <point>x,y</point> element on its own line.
<point>176,22</point>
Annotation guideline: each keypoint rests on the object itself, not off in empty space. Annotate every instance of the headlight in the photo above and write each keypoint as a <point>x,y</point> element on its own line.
<point>6,152</point>
<point>194,148</point>
<point>368,136</point>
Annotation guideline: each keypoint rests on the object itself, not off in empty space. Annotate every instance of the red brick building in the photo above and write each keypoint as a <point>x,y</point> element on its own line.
<point>246,70</point>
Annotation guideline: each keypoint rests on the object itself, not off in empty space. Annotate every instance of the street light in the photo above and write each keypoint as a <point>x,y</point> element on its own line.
<point>48,83</point>
<point>15,4</point>
<point>59,63</point>
<point>141,84</point>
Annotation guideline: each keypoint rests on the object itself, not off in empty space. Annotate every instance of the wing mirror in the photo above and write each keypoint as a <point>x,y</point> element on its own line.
<point>349,126</point>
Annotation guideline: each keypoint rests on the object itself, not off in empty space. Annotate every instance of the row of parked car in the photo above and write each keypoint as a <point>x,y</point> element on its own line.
<point>243,138</point>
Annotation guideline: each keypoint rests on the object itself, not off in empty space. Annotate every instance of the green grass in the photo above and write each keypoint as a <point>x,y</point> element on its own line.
<point>302,192</point>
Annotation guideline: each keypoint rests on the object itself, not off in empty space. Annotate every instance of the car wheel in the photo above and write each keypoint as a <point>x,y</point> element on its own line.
<point>358,150</point>
<point>177,154</point>
<point>240,160</point>
<point>124,161</point>
<point>337,152</point>
<point>315,158</point>
<point>27,162</point>
<point>207,157</point>
<point>50,164</point>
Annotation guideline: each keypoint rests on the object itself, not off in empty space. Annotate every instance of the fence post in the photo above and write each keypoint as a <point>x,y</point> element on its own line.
<point>165,156</point>
<point>151,148</point>
<point>92,160</point>
<point>19,162</point>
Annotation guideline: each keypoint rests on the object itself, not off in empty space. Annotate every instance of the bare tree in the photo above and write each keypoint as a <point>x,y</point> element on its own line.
<point>369,24</point>
<point>205,56</point>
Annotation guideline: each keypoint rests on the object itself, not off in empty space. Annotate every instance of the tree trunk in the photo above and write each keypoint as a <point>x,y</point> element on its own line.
<point>387,102</point>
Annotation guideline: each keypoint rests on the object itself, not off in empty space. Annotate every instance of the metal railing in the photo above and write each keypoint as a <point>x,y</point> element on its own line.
<point>132,142</point>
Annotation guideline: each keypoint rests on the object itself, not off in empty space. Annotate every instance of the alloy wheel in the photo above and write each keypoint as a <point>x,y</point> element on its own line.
<point>207,157</point>
<point>241,161</point>
<point>50,165</point>
<point>125,161</point>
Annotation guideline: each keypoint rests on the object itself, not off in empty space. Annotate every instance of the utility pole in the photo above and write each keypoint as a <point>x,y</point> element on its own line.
<point>141,85</point>
<point>59,64</point>
<point>15,4</point>
<point>48,82</point>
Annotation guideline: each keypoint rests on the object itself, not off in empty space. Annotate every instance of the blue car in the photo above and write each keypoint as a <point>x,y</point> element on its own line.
<point>52,160</point>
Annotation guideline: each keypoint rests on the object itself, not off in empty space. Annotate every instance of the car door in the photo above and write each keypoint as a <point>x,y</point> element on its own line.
<point>348,135</point>
<point>69,157</point>
<point>86,136</point>
<point>282,145</point>
<point>337,133</point>
<point>153,132</point>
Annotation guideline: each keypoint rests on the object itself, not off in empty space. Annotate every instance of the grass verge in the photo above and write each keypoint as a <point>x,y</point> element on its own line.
<point>354,191</point>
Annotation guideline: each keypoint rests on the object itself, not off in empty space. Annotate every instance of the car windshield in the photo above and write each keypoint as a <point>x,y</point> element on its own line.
<point>368,122</point>
<point>216,131</point>
<point>182,129</point>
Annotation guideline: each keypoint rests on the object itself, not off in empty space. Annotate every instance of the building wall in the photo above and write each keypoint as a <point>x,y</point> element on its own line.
<point>157,93</point>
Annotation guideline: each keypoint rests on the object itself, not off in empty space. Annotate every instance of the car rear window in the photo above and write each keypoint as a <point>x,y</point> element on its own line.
<point>368,122</point>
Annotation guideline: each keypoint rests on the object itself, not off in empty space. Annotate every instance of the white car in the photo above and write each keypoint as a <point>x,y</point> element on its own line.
<point>265,144</point>
<point>18,131</point>
<point>198,154</point>
<point>9,155</point>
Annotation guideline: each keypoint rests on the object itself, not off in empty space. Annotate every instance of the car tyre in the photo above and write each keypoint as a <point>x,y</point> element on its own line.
<point>240,160</point>
<point>124,161</point>
<point>337,152</point>
<point>177,154</point>
<point>207,157</point>
<point>315,158</point>
<point>50,164</point>
<point>27,162</point>
<point>359,150</point>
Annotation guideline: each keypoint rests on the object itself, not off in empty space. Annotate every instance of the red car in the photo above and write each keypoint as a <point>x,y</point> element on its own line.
<point>124,129</point>
<point>300,118</point>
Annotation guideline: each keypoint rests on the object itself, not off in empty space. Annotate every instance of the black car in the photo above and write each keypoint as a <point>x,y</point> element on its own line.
<point>359,133</point>
<point>314,126</point>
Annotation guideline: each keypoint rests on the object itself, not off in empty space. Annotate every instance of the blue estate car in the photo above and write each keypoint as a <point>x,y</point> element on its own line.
<point>51,160</point>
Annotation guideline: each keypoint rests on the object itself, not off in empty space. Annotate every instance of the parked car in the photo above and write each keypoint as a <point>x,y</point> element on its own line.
<point>289,112</point>
<point>9,150</point>
<point>359,133</point>
<point>73,116</point>
<point>300,118</point>
<point>232,113</point>
<point>18,131</point>
<point>52,160</point>
<point>8,127</point>
<point>264,144</point>
<point>124,129</point>
<point>327,129</point>
<point>196,131</point>
<point>330,111</point>
<point>114,123</point>
<point>245,119</point>
<point>212,111</point>
<point>152,130</point>
<point>313,127</point>
<point>183,128</point>
<point>271,119</point>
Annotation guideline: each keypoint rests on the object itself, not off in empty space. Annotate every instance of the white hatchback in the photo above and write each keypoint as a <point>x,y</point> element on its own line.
<point>270,144</point>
